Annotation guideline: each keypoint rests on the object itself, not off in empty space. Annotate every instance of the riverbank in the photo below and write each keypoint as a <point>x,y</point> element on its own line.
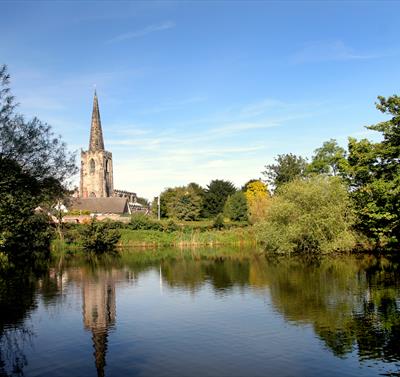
<point>188,237</point>
<point>195,237</point>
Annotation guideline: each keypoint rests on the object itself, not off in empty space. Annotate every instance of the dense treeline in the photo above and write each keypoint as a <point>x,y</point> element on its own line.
<point>220,197</point>
<point>367,177</point>
<point>340,200</point>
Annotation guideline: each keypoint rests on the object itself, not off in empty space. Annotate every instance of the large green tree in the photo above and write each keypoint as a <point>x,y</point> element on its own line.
<point>373,171</point>
<point>236,207</point>
<point>35,165</point>
<point>183,203</point>
<point>309,215</point>
<point>216,194</point>
<point>327,159</point>
<point>287,168</point>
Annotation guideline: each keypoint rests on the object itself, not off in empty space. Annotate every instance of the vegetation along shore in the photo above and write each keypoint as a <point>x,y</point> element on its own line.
<point>340,200</point>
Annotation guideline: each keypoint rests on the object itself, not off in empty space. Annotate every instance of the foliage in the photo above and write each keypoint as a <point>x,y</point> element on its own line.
<point>216,194</point>
<point>99,237</point>
<point>32,144</point>
<point>236,207</point>
<point>182,203</point>
<point>258,198</point>
<point>313,215</point>
<point>171,226</point>
<point>288,167</point>
<point>143,201</point>
<point>328,159</point>
<point>373,172</point>
<point>219,222</point>
<point>34,166</point>
<point>140,221</point>
<point>23,233</point>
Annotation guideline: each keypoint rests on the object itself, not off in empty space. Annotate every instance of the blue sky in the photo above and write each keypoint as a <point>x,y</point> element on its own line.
<point>194,91</point>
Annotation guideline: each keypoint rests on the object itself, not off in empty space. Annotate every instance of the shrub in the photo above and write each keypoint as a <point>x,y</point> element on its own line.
<point>98,237</point>
<point>171,226</point>
<point>258,199</point>
<point>218,222</point>
<point>236,207</point>
<point>140,221</point>
<point>312,215</point>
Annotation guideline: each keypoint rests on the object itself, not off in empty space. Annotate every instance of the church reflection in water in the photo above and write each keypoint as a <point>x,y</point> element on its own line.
<point>99,308</point>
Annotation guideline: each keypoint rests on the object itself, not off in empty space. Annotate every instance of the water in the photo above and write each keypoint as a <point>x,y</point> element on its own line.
<point>200,314</point>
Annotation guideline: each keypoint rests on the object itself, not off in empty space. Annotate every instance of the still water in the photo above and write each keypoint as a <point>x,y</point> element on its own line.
<point>203,314</point>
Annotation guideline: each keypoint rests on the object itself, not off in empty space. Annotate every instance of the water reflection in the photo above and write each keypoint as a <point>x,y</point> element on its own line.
<point>99,305</point>
<point>352,303</point>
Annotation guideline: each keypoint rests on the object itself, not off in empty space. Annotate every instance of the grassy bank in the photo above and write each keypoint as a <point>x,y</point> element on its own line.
<point>194,237</point>
<point>189,237</point>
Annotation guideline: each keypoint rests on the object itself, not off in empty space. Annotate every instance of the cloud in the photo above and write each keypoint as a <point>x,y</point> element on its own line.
<point>172,105</point>
<point>328,51</point>
<point>145,31</point>
<point>234,128</point>
<point>260,107</point>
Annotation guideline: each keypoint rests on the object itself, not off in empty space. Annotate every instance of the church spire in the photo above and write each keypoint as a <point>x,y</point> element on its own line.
<point>96,134</point>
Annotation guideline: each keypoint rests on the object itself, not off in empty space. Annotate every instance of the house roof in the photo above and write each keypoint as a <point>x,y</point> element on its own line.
<point>100,205</point>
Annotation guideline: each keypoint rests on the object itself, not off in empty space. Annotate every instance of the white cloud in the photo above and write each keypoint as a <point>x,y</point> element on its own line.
<point>240,127</point>
<point>329,51</point>
<point>145,31</point>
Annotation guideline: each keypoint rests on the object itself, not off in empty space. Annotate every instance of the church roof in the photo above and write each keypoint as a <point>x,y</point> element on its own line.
<point>100,205</point>
<point>96,142</point>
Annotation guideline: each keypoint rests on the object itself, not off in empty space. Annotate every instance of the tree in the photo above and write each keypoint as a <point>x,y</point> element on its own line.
<point>35,166</point>
<point>328,159</point>
<point>216,194</point>
<point>288,167</point>
<point>313,215</point>
<point>100,237</point>
<point>373,172</point>
<point>236,207</point>
<point>187,205</point>
<point>183,203</point>
<point>258,199</point>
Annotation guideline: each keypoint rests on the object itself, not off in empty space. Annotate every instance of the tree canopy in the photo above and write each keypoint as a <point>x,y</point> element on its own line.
<point>216,194</point>
<point>35,166</point>
<point>373,172</point>
<point>327,159</point>
<point>313,215</point>
<point>287,168</point>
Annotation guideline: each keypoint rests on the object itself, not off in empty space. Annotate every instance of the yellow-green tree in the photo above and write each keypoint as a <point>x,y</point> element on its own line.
<point>257,196</point>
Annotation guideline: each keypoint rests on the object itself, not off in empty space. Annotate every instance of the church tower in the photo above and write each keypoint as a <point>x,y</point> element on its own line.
<point>96,163</point>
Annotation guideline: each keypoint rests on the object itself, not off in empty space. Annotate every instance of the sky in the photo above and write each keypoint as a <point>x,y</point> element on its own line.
<point>195,91</point>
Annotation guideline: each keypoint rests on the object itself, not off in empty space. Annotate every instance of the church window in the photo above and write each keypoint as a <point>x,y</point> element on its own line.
<point>92,166</point>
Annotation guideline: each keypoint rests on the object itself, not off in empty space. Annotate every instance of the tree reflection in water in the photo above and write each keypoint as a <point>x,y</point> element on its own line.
<point>352,303</point>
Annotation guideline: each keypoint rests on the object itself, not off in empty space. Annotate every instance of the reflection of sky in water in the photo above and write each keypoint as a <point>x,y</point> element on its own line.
<point>141,323</point>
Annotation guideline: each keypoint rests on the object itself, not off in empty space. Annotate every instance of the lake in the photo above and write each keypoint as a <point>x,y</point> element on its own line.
<point>208,313</point>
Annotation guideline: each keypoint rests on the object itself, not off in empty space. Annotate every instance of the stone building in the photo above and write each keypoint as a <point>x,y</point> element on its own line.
<point>96,188</point>
<point>96,163</point>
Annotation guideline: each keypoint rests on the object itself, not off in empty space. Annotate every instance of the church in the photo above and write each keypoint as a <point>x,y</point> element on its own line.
<point>96,188</point>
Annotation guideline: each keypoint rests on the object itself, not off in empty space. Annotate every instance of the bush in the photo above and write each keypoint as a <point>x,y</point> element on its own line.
<point>312,215</point>
<point>171,226</point>
<point>99,237</point>
<point>140,221</point>
<point>236,207</point>
<point>219,222</point>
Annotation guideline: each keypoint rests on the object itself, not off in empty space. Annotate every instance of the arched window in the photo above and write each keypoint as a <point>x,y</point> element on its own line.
<point>107,166</point>
<point>92,195</point>
<point>92,166</point>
